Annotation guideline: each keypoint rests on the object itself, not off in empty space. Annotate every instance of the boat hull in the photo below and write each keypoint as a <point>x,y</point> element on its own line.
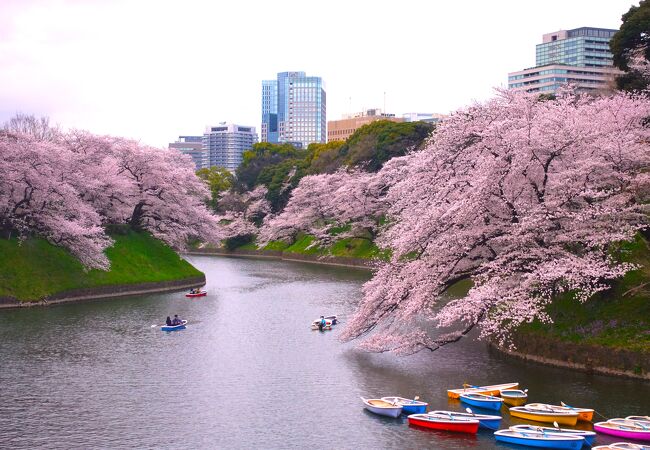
<point>537,416</point>
<point>487,390</point>
<point>200,294</point>
<point>514,398</point>
<point>383,410</point>
<point>453,426</point>
<point>573,444</point>
<point>408,405</point>
<point>487,422</point>
<point>514,401</point>
<point>637,435</point>
<point>491,405</point>
<point>588,436</point>
<point>174,327</point>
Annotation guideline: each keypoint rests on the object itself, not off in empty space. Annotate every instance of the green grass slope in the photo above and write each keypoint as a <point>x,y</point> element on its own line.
<point>345,248</point>
<point>36,268</point>
<point>616,318</point>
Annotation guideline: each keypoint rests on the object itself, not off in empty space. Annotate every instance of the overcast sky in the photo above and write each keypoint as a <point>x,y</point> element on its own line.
<point>152,70</point>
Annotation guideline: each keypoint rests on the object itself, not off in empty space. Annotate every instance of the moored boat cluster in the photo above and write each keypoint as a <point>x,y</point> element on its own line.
<point>494,397</point>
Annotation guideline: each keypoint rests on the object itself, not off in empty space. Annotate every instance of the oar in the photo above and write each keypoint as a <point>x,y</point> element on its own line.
<point>469,410</point>
<point>415,399</point>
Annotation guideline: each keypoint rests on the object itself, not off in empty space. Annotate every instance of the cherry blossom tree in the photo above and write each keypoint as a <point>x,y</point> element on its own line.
<point>167,198</point>
<point>240,213</point>
<point>67,186</point>
<point>35,198</point>
<point>347,198</point>
<point>522,196</point>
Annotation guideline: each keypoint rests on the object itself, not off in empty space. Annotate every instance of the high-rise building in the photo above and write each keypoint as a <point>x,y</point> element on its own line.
<point>193,146</point>
<point>226,143</point>
<point>340,130</point>
<point>294,109</point>
<point>269,111</point>
<point>580,57</point>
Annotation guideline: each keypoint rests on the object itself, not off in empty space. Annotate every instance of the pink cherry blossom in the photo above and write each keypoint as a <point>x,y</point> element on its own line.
<point>524,197</point>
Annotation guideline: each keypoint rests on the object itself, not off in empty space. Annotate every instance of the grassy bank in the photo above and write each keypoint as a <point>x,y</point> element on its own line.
<point>344,248</point>
<point>35,268</point>
<point>618,318</point>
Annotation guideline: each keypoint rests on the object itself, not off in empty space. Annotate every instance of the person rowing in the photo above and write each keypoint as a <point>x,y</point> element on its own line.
<point>322,323</point>
<point>176,320</point>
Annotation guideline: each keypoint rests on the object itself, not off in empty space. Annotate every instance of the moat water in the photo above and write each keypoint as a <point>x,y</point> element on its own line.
<point>247,372</point>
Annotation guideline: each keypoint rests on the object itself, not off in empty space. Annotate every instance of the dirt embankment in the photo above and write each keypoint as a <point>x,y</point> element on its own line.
<point>585,357</point>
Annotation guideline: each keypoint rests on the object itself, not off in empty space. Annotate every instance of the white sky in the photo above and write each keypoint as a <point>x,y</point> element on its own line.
<point>153,70</point>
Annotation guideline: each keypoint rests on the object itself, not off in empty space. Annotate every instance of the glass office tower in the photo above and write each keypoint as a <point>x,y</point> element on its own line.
<point>584,47</point>
<point>300,115</point>
<point>269,111</point>
<point>579,57</point>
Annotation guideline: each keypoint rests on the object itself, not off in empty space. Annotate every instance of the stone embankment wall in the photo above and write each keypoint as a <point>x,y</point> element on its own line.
<point>287,256</point>
<point>107,292</point>
<point>578,356</point>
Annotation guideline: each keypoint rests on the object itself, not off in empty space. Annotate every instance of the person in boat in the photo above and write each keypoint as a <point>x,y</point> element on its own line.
<point>169,321</point>
<point>322,323</point>
<point>176,320</point>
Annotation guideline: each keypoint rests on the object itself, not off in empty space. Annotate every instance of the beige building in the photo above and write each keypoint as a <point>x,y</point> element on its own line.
<point>340,130</point>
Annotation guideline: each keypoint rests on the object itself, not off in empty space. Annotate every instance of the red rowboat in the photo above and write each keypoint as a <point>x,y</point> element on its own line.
<point>197,294</point>
<point>455,424</point>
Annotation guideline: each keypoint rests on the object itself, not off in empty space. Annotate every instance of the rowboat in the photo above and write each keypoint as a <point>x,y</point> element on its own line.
<point>562,417</point>
<point>409,405</point>
<point>487,390</point>
<point>622,446</point>
<point>584,414</point>
<point>484,421</point>
<point>445,423</point>
<point>589,436</point>
<point>381,407</point>
<point>482,401</point>
<point>197,294</point>
<point>514,397</point>
<point>315,325</point>
<point>627,429</point>
<point>174,327</point>
<point>332,319</point>
<point>539,439</point>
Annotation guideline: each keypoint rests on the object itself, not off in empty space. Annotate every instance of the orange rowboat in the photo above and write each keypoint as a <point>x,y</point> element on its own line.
<point>487,390</point>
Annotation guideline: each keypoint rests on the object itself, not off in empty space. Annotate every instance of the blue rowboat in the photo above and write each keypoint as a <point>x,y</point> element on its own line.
<point>484,421</point>
<point>589,436</point>
<point>409,405</point>
<point>540,439</point>
<point>174,327</point>
<point>482,401</point>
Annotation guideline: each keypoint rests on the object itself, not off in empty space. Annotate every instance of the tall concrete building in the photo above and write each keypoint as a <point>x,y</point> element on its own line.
<point>193,146</point>
<point>226,143</point>
<point>341,130</point>
<point>294,109</point>
<point>580,57</point>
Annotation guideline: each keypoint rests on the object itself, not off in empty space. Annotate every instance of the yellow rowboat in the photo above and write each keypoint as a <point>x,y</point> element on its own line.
<point>486,390</point>
<point>584,414</point>
<point>561,417</point>
<point>514,397</point>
